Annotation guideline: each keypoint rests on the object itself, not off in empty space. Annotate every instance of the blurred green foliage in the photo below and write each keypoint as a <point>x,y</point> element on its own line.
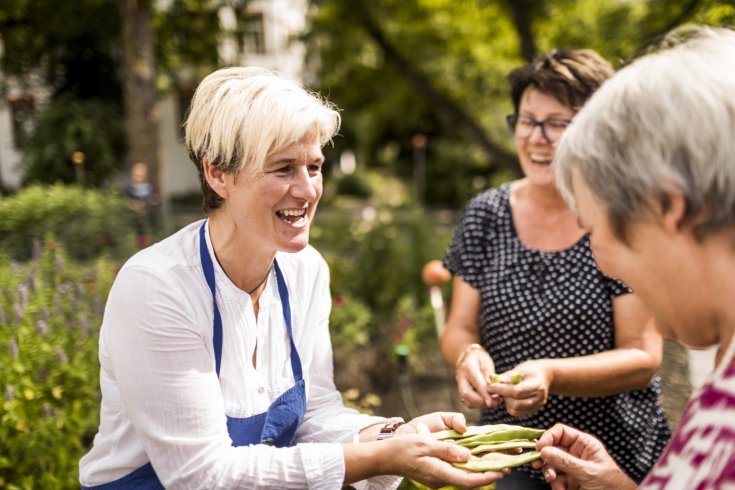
<point>376,249</point>
<point>50,312</point>
<point>401,68</point>
<point>69,125</point>
<point>88,223</point>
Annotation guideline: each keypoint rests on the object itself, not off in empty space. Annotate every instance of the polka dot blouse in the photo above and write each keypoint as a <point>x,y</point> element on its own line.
<point>537,304</point>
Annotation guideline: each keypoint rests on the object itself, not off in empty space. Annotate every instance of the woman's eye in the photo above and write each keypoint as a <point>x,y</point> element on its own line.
<point>559,125</point>
<point>525,123</point>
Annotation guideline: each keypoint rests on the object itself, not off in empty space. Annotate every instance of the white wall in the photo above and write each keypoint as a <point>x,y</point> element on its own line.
<point>9,157</point>
<point>178,174</point>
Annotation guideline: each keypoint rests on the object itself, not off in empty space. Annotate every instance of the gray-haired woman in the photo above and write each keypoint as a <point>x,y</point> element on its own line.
<point>216,362</point>
<point>650,168</point>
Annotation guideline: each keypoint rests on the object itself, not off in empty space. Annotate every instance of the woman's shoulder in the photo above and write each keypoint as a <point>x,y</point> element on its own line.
<point>176,252</point>
<point>494,199</point>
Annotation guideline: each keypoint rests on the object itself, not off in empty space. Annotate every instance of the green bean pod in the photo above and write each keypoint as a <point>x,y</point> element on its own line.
<point>504,446</point>
<point>501,435</point>
<point>474,430</point>
<point>497,461</point>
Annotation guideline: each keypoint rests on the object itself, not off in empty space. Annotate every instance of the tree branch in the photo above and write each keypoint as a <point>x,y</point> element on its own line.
<point>499,156</point>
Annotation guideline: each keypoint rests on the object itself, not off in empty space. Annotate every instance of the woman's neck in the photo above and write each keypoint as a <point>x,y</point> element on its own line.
<point>246,265</point>
<point>546,197</point>
<point>721,258</point>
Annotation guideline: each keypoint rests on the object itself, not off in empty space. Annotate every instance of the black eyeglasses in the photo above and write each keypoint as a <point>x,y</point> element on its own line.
<point>523,126</point>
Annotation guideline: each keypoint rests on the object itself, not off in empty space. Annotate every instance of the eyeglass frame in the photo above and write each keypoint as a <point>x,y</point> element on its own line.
<point>512,120</point>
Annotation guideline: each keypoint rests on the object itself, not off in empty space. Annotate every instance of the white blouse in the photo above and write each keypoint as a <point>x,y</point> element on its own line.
<point>162,401</point>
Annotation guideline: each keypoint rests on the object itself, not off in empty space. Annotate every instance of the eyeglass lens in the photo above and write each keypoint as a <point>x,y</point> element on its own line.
<point>551,129</point>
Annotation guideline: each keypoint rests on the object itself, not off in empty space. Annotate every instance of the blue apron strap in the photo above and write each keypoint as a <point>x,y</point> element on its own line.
<point>283,292</point>
<point>209,276</point>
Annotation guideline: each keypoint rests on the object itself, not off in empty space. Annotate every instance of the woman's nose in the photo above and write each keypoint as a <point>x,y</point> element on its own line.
<point>537,135</point>
<point>306,186</point>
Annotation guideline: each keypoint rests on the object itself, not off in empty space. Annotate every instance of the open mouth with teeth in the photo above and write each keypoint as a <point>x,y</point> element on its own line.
<point>541,160</point>
<point>291,216</point>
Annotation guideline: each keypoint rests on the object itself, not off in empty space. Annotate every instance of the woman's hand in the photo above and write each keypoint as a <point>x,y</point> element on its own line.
<point>527,396</point>
<point>572,459</point>
<point>434,422</point>
<point>413,453</point>
<point>428,461</point>
<point>473,375</point>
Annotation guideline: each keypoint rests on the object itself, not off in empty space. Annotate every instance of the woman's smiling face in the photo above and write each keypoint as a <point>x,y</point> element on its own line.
<point>535,152</point>
<point>275,207</point>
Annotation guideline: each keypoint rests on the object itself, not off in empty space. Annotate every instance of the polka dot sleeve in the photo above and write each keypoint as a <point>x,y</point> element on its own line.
<point>468,253</point>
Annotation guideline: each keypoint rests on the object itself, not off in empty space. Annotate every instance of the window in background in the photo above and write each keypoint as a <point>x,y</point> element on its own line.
<point>252,34</point>
<point>23,115</point>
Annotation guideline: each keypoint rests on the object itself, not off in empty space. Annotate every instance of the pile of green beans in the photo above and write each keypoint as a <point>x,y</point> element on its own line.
<point>495,447</point>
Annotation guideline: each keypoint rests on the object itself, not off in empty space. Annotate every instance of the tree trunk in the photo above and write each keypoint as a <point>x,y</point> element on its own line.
<point>139,87</point>
<point>522,21</point>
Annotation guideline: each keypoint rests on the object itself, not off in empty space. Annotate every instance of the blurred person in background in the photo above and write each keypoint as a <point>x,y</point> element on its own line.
<point>143,199</point>
<point>216,361</point>
<point>649,166</point>
<point>529,303</point>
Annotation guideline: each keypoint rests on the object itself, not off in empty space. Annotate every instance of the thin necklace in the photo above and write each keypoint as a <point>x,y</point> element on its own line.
<point>262,280</point>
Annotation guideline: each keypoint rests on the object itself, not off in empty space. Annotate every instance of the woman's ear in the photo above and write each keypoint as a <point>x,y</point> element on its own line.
<point>215,178</point>
<point>672,216</point>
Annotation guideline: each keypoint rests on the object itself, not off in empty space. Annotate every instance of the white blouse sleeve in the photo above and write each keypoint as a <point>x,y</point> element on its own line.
<point>159,357</point>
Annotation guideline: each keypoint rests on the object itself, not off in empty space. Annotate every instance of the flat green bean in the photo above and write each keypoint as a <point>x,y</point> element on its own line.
<point>496,461</point>
<point>503,446</point>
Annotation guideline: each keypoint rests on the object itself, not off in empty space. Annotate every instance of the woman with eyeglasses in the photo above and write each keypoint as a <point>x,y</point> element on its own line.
<point>537,334</point>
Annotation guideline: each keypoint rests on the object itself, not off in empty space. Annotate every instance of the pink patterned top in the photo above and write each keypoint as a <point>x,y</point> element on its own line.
<point>701,454</point>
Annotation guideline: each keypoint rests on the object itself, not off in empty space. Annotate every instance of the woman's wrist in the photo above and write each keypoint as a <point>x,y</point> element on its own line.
<point>388,430</point>
<point>463,355</point>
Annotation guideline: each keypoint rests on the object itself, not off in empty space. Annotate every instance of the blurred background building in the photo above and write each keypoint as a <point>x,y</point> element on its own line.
<point>268,33</point>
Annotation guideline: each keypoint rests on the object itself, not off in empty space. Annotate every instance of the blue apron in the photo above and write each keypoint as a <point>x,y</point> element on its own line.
<point>275,427</point>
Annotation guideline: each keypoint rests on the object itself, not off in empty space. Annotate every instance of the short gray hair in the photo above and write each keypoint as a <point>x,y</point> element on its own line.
<point>667,119</point>
<point>240,116</point>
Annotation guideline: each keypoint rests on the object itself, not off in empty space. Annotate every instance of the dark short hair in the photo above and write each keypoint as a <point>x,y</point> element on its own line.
<point>569,75</point>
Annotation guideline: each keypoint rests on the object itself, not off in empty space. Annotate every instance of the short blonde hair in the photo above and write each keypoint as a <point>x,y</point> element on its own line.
<point>241,115</point>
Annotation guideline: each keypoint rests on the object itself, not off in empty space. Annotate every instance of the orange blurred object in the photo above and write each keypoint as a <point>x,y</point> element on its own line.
<point>435,274</point>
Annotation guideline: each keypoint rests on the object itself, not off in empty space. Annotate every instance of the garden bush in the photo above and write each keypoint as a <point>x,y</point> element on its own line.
<point>87,222</point>
<point>376,249</point>
<point>50,312</point>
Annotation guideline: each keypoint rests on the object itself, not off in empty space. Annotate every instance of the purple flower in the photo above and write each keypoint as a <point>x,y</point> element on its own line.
<point>18,310</point>
<point>57,305</point>
<point>61,355</point>
<point>23,295</point>
<point>9,393</point>
<point>97,306</point>
<point>83,323</point>
<point>32,279</point>
<point>46,410</point>
<point>58,263</point>
<point>36,249</point>
<point>41,327</point>
<point>13,348</point>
